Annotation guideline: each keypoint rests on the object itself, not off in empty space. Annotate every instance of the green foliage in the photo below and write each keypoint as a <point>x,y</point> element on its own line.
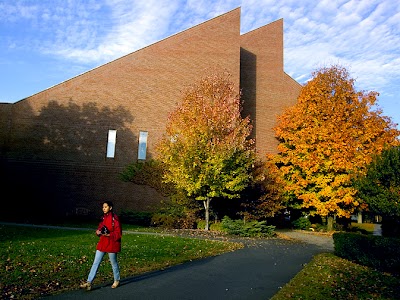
<point>372,251</point>
<point>201,224</point>
<point>302,223</point>
<point>247,229</point>
<point>206,150</point>
<point>391,227</point>
<point>180,212</point>
<point>171,218</point>
<point>380,187</point>
<point>165,220</point>
<point>214,226</point>
<point>318,227</point>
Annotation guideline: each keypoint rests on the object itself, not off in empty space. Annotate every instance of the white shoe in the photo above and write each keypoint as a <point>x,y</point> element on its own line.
<point>86,285</point>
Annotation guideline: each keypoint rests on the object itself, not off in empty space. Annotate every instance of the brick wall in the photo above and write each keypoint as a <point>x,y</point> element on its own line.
<point>5,121</point>
<point>59,136</point>
<point>54,142</point>
<point>267,90</point>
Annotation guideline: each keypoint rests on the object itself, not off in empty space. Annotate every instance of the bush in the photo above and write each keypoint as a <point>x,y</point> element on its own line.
<point>177,213</point>
<point>302,223</point>
<point>373,251</point>
<point>318,227</point>
<point>165,220</point>
<point>172,221</point>
<point>249,229</point>
<point>390,227</point>
<point>174,216</point>
<point>217,226</point>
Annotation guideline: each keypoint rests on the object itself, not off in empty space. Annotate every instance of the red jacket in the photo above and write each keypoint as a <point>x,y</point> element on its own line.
<point>112,243</point>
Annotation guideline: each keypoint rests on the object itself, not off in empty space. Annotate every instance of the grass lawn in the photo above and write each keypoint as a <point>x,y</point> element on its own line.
<point>38,261</point>
<point>329,277</point>
<point>368,227</point>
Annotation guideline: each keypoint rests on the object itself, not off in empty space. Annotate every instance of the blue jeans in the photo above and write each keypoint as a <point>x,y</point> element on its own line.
<point>97,260</point>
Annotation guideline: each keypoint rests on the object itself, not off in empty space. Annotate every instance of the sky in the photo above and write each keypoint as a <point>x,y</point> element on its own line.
<point>45,42</point>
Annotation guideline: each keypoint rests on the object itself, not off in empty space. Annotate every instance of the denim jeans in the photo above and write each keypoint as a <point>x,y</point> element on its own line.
<point>97,260</point>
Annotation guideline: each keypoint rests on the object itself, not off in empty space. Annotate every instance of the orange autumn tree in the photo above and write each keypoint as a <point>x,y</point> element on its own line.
<point>329,135</point>
<point>206,149</point>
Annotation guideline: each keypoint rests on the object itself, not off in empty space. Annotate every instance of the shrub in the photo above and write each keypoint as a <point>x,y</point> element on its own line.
<point>302,223</point>
<point>373,251</point>
<point>318,227</point>
<point>391,227</point>
<point>174,216</point>
<point>248,229</point>
<point>173,221</point>
<point>201,224</point>
<point>165,220</point>
<point>178,212</point>
<point>216,226</point>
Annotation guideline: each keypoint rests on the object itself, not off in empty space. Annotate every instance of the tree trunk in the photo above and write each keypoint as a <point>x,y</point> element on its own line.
<point>329,225</point>
<point>359,217</point>
<point>207,212</point>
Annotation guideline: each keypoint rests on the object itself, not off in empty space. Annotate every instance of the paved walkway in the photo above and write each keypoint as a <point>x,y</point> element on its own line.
<point>377,229</point>
<point>257,271</point>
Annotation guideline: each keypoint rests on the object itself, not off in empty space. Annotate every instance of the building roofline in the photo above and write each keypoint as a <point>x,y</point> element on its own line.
<point>130,53</point>
<point>263,26</point>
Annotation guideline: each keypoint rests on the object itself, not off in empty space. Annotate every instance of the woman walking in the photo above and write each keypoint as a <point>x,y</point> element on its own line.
<point>110,233</point>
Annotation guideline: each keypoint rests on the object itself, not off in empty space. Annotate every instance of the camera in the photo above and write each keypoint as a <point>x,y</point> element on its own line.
<point>104,230</point>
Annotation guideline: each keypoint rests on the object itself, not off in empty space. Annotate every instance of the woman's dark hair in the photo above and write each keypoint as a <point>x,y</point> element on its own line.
<point>109,203</point>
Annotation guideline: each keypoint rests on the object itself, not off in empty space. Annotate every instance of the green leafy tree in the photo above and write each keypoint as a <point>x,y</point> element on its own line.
<point>380,187</point>
<point>330,134</point>
<point>206,149</point>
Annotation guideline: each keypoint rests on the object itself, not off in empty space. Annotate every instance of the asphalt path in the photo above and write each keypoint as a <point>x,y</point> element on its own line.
<point>258,271</point>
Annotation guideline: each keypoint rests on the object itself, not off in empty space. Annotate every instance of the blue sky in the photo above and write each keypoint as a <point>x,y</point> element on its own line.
<point>45,42</point>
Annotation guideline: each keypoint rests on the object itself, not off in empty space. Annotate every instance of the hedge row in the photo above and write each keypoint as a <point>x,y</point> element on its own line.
<point>381,253</point>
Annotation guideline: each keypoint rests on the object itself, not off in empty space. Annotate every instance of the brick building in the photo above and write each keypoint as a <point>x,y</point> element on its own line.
<point>63,148</point>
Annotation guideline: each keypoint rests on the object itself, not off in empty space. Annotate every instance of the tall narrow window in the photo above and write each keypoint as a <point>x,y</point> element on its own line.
<point>142,145</point>
<point>112,137</point>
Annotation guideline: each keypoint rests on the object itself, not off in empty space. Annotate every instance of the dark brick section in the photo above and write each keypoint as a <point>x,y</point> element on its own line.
<point>53,144</point>
<point>267,90</point>
<point>5,124</point>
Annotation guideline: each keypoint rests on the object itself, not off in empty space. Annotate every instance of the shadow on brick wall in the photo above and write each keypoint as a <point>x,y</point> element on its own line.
<point>53,163</point>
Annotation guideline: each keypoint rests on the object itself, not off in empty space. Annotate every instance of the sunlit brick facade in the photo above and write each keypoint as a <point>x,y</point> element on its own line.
<point>53,144</point>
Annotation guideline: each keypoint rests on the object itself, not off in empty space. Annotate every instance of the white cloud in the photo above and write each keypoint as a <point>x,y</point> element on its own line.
<point>130,26</point>
<point>12,12</point>
<point>353,33</point>
<point>364,35</point>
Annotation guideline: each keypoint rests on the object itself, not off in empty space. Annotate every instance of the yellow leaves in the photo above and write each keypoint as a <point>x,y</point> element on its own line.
<point>211,149</point>
<point>328,135</point>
